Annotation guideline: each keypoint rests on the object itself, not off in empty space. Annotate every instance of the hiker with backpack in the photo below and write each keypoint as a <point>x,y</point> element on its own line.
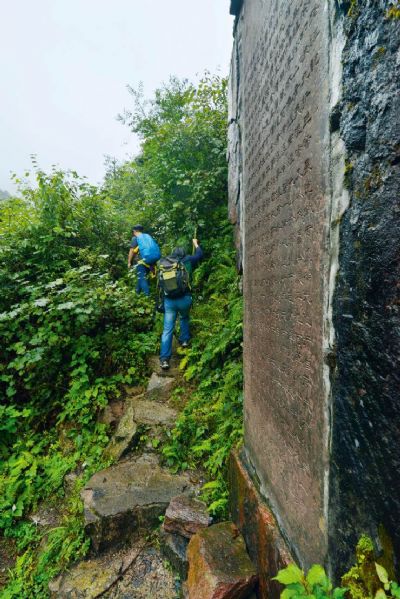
<point>174,277</point>
<point>146,249</point>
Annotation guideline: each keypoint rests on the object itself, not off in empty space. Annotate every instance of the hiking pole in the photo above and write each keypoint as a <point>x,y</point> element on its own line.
<point>194,237</point>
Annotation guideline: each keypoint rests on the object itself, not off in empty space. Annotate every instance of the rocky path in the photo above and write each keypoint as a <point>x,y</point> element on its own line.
<point>131,557</point>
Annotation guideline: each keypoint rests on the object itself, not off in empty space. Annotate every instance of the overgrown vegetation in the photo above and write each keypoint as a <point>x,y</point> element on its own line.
<point>367,579</point>
<point>73,332</point>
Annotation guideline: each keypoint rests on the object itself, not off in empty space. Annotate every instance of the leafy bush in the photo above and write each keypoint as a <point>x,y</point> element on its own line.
<point>315,584</point>
<point>71,336</point>
<point>367,579</point>
<point>73,331</point>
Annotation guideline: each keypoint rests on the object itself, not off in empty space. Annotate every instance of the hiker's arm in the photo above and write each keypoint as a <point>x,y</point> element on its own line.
<point>132,252</point>
<point>198,254</point>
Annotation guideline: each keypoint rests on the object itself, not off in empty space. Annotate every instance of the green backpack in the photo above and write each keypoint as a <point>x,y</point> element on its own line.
<point>174,277</point>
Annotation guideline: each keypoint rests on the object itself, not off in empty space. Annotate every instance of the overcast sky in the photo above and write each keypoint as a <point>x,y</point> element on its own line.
<point>65,64</point>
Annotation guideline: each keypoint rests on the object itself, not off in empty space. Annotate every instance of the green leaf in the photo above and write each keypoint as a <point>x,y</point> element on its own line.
<point>380,594</point>
<point>290,574</point>
<point>339,592</point>
<point>395,590</point>
<point>288,594</point>
<point>316,575</point>
<point>382,574</point>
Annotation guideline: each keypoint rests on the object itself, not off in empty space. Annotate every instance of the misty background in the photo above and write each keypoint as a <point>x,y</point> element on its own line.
<point>65,65</point>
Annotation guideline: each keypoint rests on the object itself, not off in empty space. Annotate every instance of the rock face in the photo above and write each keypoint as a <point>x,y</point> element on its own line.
<point>266,546</point>
<point>127,498</point>
<point>149,578</point>
<point>137,573</point>
<point>364,480</point>
<point>124,436</point>
<point>140,412</point>
<point>314,174</point>
<point>160,387</point>
<point>89,578</point>
<point>153,413</point>
<point>186,516</point>
<point>174,548</point>
<point>219,567</point>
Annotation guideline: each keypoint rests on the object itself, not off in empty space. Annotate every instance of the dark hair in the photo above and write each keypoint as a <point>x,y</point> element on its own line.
<point>138,228</point>
<point>178,253</point>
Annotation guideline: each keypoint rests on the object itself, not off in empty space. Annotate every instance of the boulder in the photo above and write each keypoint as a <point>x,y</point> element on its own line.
<point>112,413</point>
<point>124,436</point>
<point>186,516</point>
<point>139,412</point>
<point>90,578</point>
<point>152,413</point>
<point>149,577</point>
<point>69,482</point>
<point>160,387</point>
<point>126,498</point>
<point>46,516</point>
<point>219,567</point>
<point>174,548</point>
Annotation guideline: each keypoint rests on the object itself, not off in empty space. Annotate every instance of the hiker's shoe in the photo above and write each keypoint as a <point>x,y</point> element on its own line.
<point>185,344</point>
<point>164,364</point>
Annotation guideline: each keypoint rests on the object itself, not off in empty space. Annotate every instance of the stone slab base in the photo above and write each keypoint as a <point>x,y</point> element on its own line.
<point>258,526</point>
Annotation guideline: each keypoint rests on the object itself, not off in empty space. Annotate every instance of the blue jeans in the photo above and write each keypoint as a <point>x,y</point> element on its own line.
<point>173,307</point>
<point>142,284</point>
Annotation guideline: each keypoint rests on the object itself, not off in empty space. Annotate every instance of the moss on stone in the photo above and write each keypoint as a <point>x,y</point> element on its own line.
<point>361,579</point>
<point>374,180</point>
<point>354,9</point>
<point>348,170</point>
<point>394,11</point>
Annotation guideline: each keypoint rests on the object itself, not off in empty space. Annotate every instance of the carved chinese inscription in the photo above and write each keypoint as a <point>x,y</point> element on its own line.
<point>284,88</point>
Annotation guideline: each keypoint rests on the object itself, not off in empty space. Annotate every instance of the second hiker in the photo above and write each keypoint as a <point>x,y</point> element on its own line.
<point>174,281</point>
<point>146,249</point>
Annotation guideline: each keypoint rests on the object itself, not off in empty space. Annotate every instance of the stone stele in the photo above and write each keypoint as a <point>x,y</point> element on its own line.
<point>313,188</point>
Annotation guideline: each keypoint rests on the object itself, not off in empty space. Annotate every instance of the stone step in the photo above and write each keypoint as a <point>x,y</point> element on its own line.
<point>140,412</point>
<point>136,573</point>
<point>174,549</point>
<point>160,387</point>
<point>219,566</point>
<point>185,516</point>
<point>127,498</point>
<point>92,577</point>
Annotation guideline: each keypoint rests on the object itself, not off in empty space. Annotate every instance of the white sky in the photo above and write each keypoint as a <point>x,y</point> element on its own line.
<point>65,64</point>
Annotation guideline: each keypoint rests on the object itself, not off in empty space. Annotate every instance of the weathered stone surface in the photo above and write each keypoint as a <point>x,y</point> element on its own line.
<point>8,556</point>
<point>124,436</point>
<point>46,516</point>
<point>135,391</point>
<point>148,578</point>
<point>139,412</point>
<point>153,413</point>
<point>69,482</point>
<point>280,65</point>
<point>174,548</point>
<point>314,166</point>
<point>186,516</point>
<point>219,567</point>
<point>113,412</point>
<point>89,578</point>
<point>258,526</point>
<point>127,497</point>
<point>160,387</point>
<point>364,476</point>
